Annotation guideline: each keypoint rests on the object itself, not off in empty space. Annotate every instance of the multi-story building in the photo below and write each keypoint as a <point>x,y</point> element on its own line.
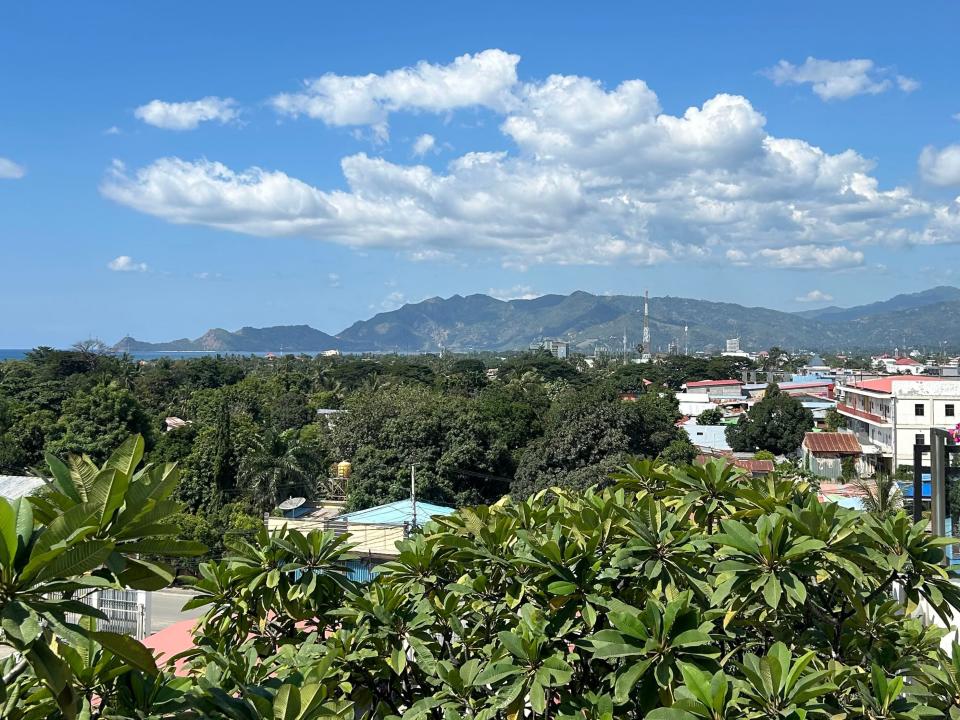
<point>890,415</point>
<point>557,348</point>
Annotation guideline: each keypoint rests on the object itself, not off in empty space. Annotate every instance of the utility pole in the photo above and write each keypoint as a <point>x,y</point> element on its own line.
<point>413,492</point>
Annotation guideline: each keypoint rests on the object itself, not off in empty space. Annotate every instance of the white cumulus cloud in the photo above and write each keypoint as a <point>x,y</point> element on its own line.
<point>424,144</point>
<point>483,79</point>
<point>125,263</point>
<point>9,170</point>
<point>940,166</point>
<point>187,115</point>
<point>517,292</point>
<point>815,296</point>
<point>592,176</point>
<point>839,79</point>
<point>811,257</point>
<point>907,84</point>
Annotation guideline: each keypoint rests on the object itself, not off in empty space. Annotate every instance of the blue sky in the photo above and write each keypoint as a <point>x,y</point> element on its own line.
<point>174,167</point>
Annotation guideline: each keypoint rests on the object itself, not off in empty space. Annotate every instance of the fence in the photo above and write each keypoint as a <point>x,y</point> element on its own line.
<point>127,611</point>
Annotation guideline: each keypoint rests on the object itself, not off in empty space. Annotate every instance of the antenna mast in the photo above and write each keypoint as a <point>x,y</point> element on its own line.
<point>646,322</point>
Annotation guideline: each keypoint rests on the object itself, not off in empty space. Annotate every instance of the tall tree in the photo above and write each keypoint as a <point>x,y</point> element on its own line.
<point>280,465</point>
<point>776,423</point>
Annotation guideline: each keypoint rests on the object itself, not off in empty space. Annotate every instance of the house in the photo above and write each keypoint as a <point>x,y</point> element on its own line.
<point>757,468</point>
<point>819,407</point>
<point>890,415</point>
<point>899,365</point>
<point>693,404</point>
<point>805,386</point>
<point>374,532</point>
<point>715,389</point>
<point>708,438</point>
<point>823,453</point>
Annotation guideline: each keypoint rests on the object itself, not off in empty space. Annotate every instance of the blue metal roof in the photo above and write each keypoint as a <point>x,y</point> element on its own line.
<point>397,513</point>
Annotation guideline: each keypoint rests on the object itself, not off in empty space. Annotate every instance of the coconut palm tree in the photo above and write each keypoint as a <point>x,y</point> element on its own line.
<point>881,496</point>
<point>281,465</point>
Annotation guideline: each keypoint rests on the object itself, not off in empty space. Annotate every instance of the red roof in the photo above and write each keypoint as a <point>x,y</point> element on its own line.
<point>885,384</point>
<point>832,442</point>
<point>712,383</point>
<point>906,361</point>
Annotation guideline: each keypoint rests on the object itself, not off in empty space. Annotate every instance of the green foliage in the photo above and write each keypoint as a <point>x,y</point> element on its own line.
<point>89,529</point>
<point>834,421</point>
<point>671,594</point>
<point>880,495</point>
<point>95,422</point>
<point>777,423</point>
<point>711,416</point>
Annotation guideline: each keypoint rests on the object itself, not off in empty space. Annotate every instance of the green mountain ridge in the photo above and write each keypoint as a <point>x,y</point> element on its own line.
<point>480,322</point>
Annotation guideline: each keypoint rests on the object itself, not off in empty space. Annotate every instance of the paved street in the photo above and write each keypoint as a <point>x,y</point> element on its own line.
<point>166,608</point>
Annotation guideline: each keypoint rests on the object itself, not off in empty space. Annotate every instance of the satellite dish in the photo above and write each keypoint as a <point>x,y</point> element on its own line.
<point>291,503</point>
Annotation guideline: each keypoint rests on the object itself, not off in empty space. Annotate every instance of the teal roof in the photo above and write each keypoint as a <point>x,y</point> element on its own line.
<point>397,513</point>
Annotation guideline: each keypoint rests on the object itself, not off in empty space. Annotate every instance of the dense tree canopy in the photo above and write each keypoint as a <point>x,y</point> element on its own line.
<point>251,433</point>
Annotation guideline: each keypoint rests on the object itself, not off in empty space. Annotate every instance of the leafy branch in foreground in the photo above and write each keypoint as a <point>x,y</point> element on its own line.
<point>85,532</point>
<point>672,594</point>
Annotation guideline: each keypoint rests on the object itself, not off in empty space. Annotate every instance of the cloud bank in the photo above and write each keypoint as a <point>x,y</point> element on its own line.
<point>593,175</point>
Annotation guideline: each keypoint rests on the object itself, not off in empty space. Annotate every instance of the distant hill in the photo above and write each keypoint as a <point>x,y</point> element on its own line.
<point>293,338</point>
<point>908,301</point>
<point>480,322</point>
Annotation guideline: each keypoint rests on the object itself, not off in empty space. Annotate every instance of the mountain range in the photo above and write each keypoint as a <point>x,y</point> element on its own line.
<point>480,322</point>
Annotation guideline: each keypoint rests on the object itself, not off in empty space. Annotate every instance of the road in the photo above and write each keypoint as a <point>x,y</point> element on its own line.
<point>166,608</point>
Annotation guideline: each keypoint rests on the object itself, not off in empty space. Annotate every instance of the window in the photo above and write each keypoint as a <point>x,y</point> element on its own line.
<point>919,439</point>
<point>918,409</point>
<point>948,409</point>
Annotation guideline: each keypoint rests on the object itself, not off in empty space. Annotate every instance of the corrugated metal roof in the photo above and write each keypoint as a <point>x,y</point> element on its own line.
<point>397,513</point>
<point>711,383</point>
<point>713,437</point>
<point>832,442</point>
<point>755,467</point>
<point>14,486</point>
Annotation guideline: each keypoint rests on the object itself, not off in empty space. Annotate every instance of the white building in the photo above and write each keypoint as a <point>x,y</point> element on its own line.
<point>716,390</point>
<point>899,365</point>
<point>557,348</point>
<point>890,415</point>
<point>692,404</point>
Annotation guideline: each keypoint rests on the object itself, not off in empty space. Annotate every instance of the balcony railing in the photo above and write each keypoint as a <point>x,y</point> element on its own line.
<point>862,414</point>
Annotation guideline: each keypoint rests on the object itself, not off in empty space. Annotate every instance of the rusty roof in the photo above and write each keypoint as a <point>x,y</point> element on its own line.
<point>832,442</point>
